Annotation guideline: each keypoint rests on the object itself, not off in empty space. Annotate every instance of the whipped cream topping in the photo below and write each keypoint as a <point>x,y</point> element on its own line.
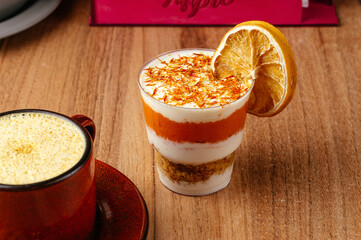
<point>184,113</point>
<point>188,81</point>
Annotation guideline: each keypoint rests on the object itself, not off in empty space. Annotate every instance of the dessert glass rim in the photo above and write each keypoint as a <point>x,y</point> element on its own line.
<point>180,107</point>
<point>63,176</point>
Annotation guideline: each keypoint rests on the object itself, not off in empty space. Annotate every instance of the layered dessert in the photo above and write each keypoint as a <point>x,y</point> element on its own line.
<point>194,121</point>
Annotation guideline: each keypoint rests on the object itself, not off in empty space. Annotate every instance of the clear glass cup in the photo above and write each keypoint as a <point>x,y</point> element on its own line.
<point>194,147</point>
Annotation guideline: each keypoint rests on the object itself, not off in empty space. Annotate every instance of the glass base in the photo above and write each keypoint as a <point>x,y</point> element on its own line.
<point>214,184</point>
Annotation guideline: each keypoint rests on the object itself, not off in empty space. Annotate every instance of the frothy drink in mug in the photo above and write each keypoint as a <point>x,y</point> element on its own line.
<point>35,147</point>
<point>194,121</point>
<point>47,169</point>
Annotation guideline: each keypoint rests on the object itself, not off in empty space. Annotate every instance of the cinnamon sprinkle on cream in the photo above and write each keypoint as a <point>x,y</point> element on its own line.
<point>188,81</point>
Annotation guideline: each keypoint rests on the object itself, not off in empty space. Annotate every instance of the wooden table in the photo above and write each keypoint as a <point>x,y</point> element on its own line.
<point>296,176</point>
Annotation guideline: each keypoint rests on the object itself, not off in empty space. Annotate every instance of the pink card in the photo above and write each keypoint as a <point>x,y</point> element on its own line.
<point>211,12</point>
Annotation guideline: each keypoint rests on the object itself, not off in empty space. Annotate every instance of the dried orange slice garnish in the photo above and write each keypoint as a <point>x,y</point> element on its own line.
<point>259,51</point>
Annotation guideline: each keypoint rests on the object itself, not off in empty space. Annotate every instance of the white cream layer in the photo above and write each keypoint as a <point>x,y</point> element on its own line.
<point>213,184</point>
<point>186,114</point>
<point>194,153</point>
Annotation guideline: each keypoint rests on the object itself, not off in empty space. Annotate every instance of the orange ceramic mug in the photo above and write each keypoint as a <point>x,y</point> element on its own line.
<point>61,207</point>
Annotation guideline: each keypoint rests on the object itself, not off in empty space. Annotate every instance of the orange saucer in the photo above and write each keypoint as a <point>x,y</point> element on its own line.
<point>121,209</point>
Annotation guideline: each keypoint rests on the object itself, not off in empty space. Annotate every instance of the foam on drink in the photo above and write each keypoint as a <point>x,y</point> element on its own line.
<point>37,146</point>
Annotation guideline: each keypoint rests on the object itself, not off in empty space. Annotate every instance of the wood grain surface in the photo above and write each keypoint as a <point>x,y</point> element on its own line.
<point>296,175</point>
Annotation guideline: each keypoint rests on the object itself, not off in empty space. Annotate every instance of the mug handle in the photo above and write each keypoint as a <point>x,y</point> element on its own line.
<point>87,123</point>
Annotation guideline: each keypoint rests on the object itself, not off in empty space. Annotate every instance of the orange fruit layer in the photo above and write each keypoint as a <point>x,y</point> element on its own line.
<point>205,132</point>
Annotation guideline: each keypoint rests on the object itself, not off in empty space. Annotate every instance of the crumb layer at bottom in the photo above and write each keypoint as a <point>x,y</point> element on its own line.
<point>195,180</point>
<point>214,184</point>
